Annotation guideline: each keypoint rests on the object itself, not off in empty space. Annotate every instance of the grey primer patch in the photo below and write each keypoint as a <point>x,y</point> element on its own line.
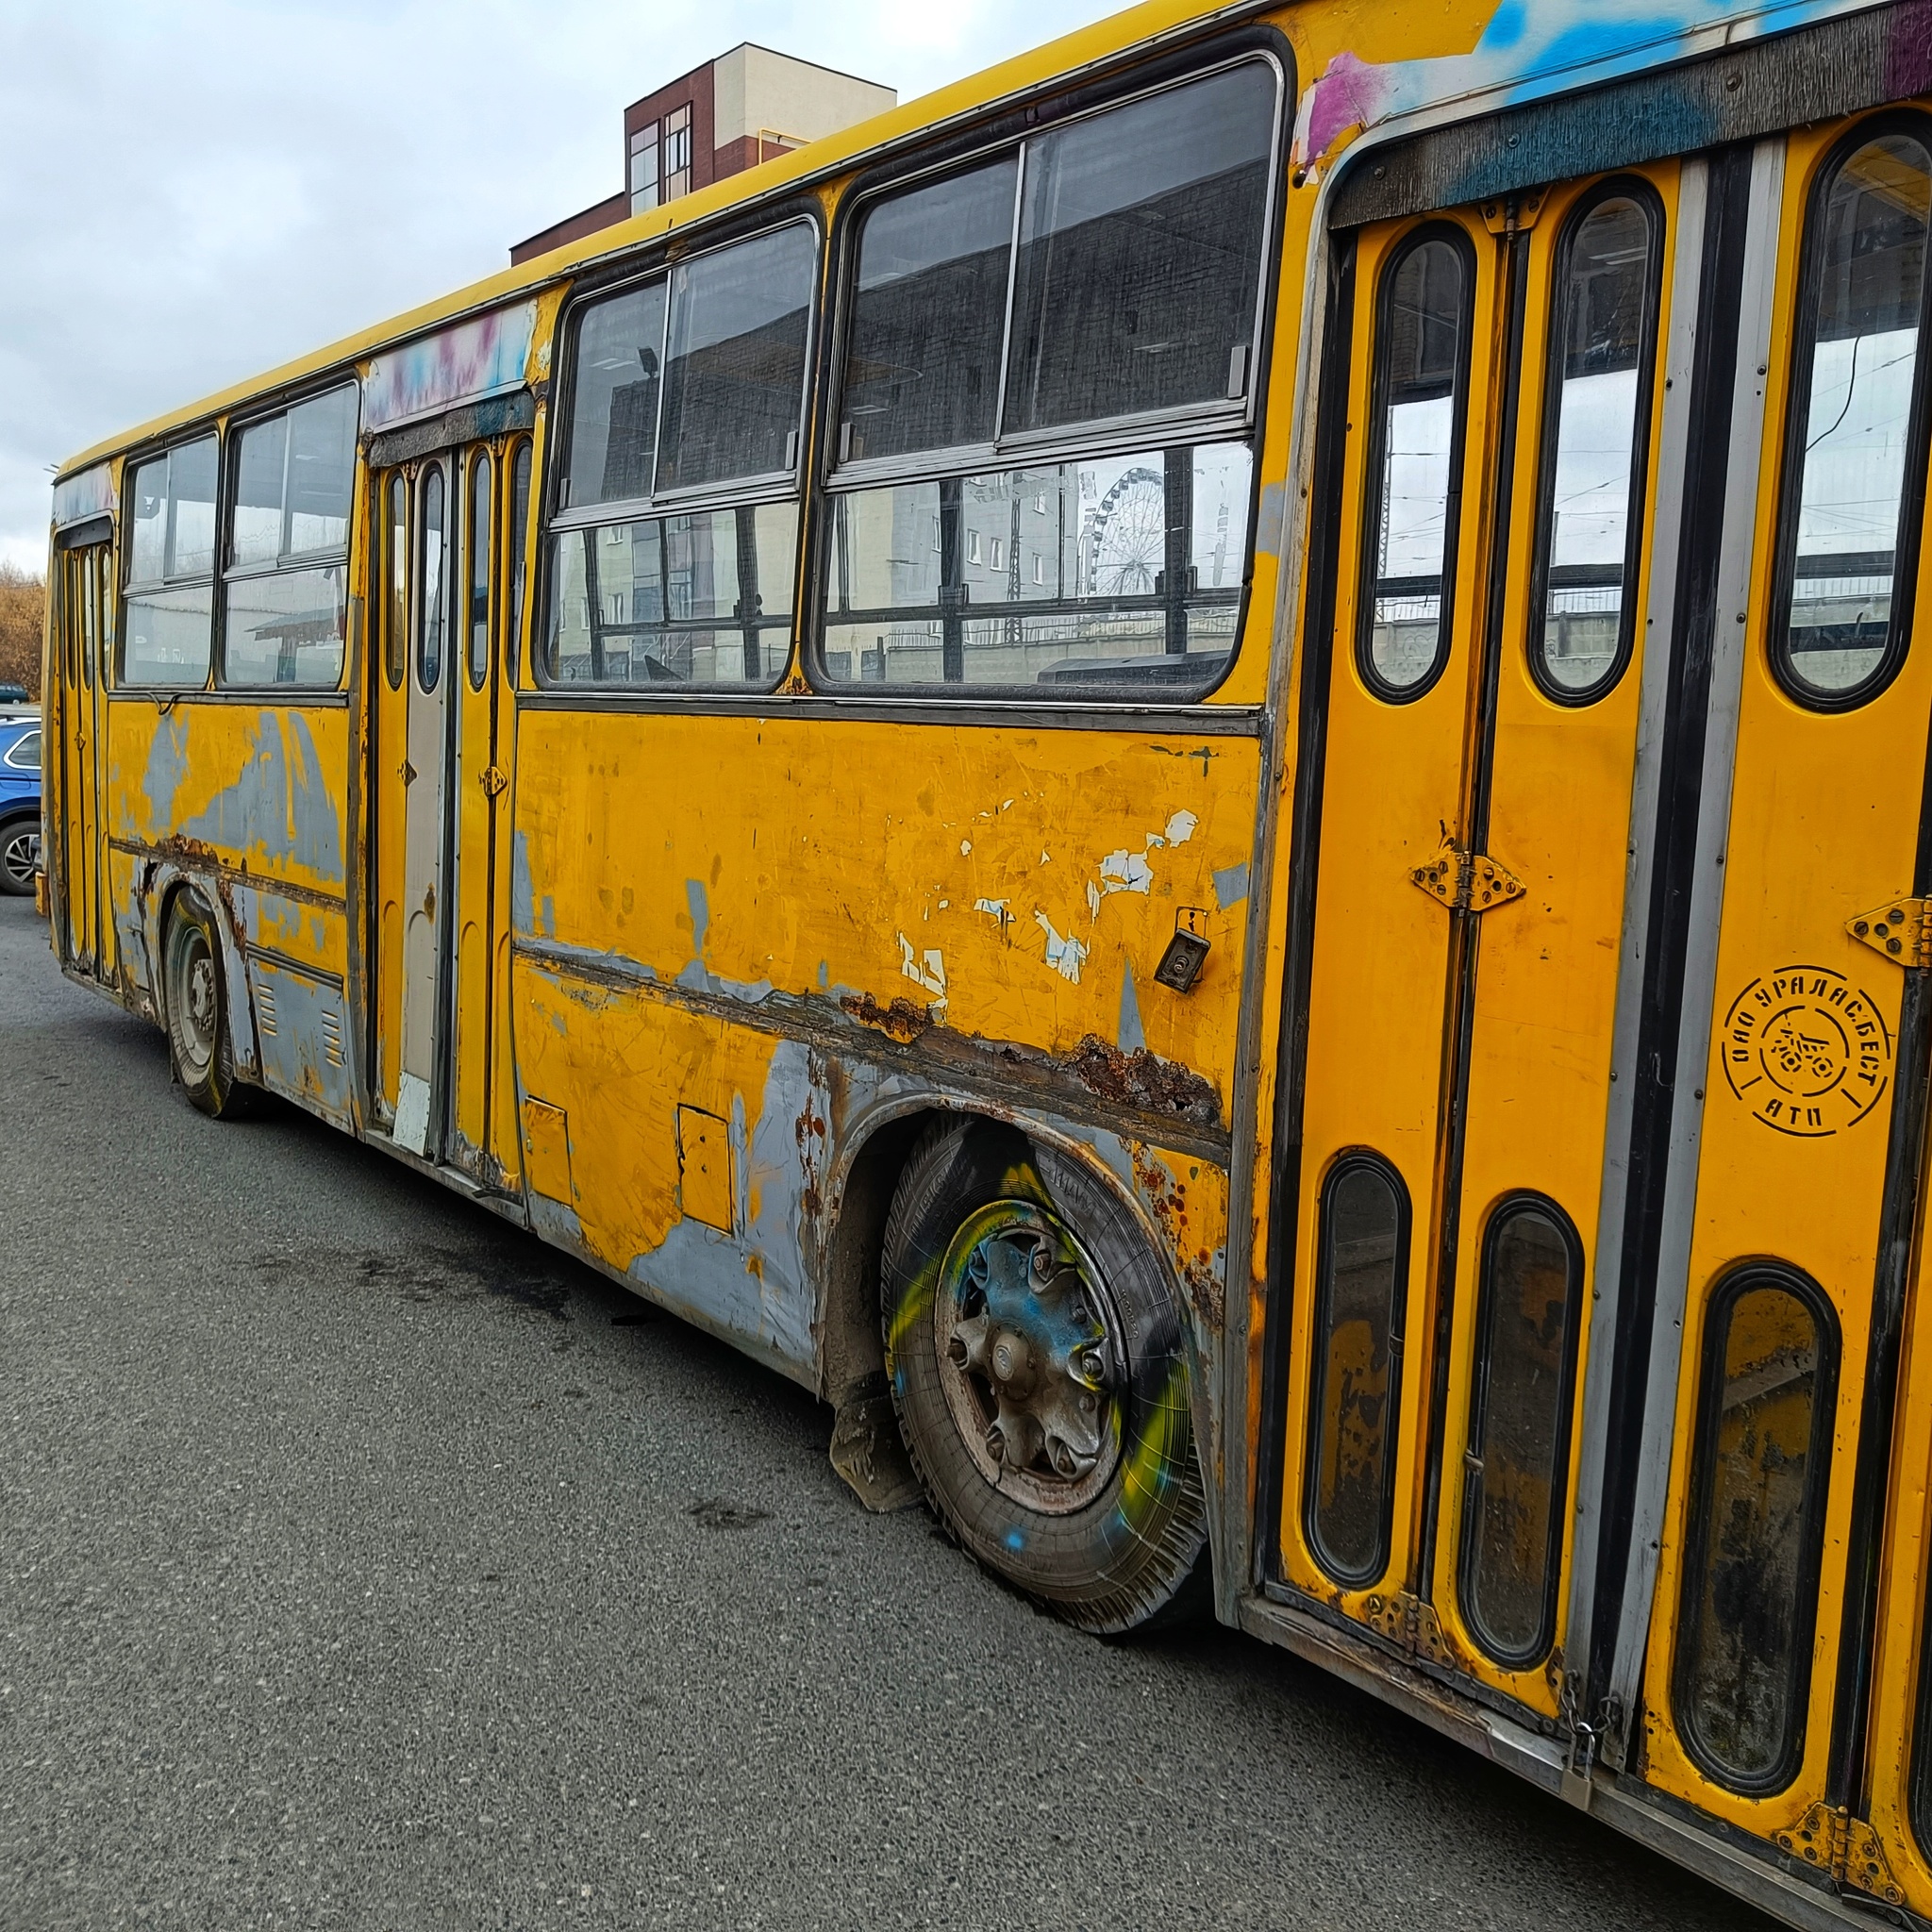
<point>1231,888</point>
<point>1132,1038</point>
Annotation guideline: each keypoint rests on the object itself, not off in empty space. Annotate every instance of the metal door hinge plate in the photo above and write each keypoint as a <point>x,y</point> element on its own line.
<point>1901,929</point>
<point>1407,1620</point>
<point>1467,881</point>
<point>406,773</point>
<point>492,781</point>
<point>1829,1839</point>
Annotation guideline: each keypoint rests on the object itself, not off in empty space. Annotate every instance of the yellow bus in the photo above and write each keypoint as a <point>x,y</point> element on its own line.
<point>1197,773</point>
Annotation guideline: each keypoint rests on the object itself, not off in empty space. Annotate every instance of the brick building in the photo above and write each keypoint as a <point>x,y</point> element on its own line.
<point>719,119</point>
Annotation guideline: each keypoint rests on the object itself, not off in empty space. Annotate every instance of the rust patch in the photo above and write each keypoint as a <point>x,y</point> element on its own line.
<point>811,1130</point>
<point>1144,1080</point>
<point>902,1019</point>
<point>1167,1201</point>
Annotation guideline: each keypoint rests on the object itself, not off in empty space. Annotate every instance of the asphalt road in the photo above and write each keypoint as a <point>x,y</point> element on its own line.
<point>355,1570</point>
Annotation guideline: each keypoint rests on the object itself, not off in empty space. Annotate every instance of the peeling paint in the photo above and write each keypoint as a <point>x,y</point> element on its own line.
<point>1065,956</point>
<point>1126,872</point>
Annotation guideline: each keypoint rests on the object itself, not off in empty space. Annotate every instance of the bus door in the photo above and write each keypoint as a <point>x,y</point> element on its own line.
<point>439,797</point>
<point>84,629</point>
<point>1494,476</point>
<point>1782,1685</point>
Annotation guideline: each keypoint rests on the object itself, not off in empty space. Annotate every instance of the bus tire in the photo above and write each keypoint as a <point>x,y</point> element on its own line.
<point>195,998</point>
<point>1037,1363</point>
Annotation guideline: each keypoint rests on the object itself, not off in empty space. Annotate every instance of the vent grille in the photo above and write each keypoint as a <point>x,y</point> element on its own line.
<point>265,1006</point>
<point>332,1036</point>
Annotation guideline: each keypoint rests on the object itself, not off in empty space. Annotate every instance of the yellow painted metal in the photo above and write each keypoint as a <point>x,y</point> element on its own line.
<point>703,1157</point>
<point>1399,780</point>
<point>386,678</point>
<point>1392,779</point>
<point>1825,823</point>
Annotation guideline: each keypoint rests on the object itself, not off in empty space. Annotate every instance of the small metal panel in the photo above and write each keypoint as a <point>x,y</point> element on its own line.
<point>704,1166</point>
<point>474,422</point>
<point>300,1031</point>
<point>1829,1839</point>
<point>546,1150</point>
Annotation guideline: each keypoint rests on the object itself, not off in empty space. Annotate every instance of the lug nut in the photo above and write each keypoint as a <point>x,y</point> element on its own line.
<point>956,1352</point>
<point>997,1443</point>
<point>1063,1458</point>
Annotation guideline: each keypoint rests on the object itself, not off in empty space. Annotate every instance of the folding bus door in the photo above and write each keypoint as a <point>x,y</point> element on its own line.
<point>1477,699</point>
<point>1782,1688</point>
<point>84,632</point>
<point>439,793</point>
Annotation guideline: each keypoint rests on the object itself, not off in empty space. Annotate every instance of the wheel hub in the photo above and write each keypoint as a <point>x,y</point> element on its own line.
<point>1029,1356</point>
<point>199,1006</point>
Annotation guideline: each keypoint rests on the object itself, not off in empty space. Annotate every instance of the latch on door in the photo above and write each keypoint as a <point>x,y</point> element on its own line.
<point>1902,930</point>
<point>1831,1839</point>
<point>1467,881</point>
<point>492,781</point>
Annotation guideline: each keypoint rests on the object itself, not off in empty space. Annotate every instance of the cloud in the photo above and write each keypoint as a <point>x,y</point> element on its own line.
<point>195,191</point>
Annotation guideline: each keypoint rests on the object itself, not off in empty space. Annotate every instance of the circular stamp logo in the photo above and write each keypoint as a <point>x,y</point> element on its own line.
<point>1807,1051</point>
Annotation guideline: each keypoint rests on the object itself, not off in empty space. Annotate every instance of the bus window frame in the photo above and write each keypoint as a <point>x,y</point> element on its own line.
<point>1149,433</point>
<point>1802,337</point>
<point>1430,229</point>
<point>546,520</point>
<point>1622,186</point>
<point>130,587</point>
<point>334,557</point>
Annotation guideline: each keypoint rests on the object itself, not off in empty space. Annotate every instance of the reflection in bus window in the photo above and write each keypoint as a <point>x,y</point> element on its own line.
<point>928,315</point>
<point>1117,570</point>
<point>429,582</point>
<point>478,592</point>
<point>1517,1463</point>
<point>1421,345</point>
<point>1595,436</point>
<point>1356,1387</point>
<point>519,537</point>
<point>1757,1523</point>
<point>395,643</point>
<point>698,599</point>
<point>1139,246</point>
<point>170,603</point>
<point>285,600</point>
<point>1852,389</point>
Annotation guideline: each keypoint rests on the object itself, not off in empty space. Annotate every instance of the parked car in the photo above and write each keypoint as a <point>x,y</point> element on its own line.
<point>20,801</point>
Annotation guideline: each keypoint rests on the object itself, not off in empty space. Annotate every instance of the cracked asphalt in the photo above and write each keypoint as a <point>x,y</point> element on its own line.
<point>364,1563</point>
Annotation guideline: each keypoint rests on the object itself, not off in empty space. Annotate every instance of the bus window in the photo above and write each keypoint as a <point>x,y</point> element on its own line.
<point>1595,439</point>
<point>1756,1526</point>
<point>1518,1429</point>
<point>285,585</point>
<point>395,643</point>
<point>682,593</point>
<point>429,575</point>
<point>1361,1291</point>
<point>170,601</point>
<point>1844,583</point>
<point>478,592</point>
<point>1131,296</point>
<point>1421,381</point>
<point>929,316</point>
<point>519,537</point>
<point>1055,573</point>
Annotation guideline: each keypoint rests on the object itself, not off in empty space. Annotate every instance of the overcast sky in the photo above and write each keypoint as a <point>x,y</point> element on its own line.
<point>192,191</point>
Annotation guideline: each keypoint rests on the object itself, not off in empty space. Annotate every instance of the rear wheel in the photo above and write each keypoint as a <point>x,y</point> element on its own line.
<point>19,856</point>
<point>197,1009</point>
<point>1036,1361</point>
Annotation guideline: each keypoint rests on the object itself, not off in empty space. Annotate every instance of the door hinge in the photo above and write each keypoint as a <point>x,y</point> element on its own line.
<point>1467,881</point>
<point>1902,930</point>
<point>406,773</point>
<point>1409,1622</point>
<point>1829,1839</point>
<point>492,781</point>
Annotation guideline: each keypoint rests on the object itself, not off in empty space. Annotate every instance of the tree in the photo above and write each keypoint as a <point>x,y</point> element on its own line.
<point>23,612</point>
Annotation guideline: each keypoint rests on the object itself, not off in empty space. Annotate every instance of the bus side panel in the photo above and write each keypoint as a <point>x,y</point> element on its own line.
<point>946,919</point>
<point>249,802</point>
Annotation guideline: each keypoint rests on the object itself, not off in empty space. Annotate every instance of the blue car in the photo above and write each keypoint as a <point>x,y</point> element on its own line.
<point>19,799</point>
